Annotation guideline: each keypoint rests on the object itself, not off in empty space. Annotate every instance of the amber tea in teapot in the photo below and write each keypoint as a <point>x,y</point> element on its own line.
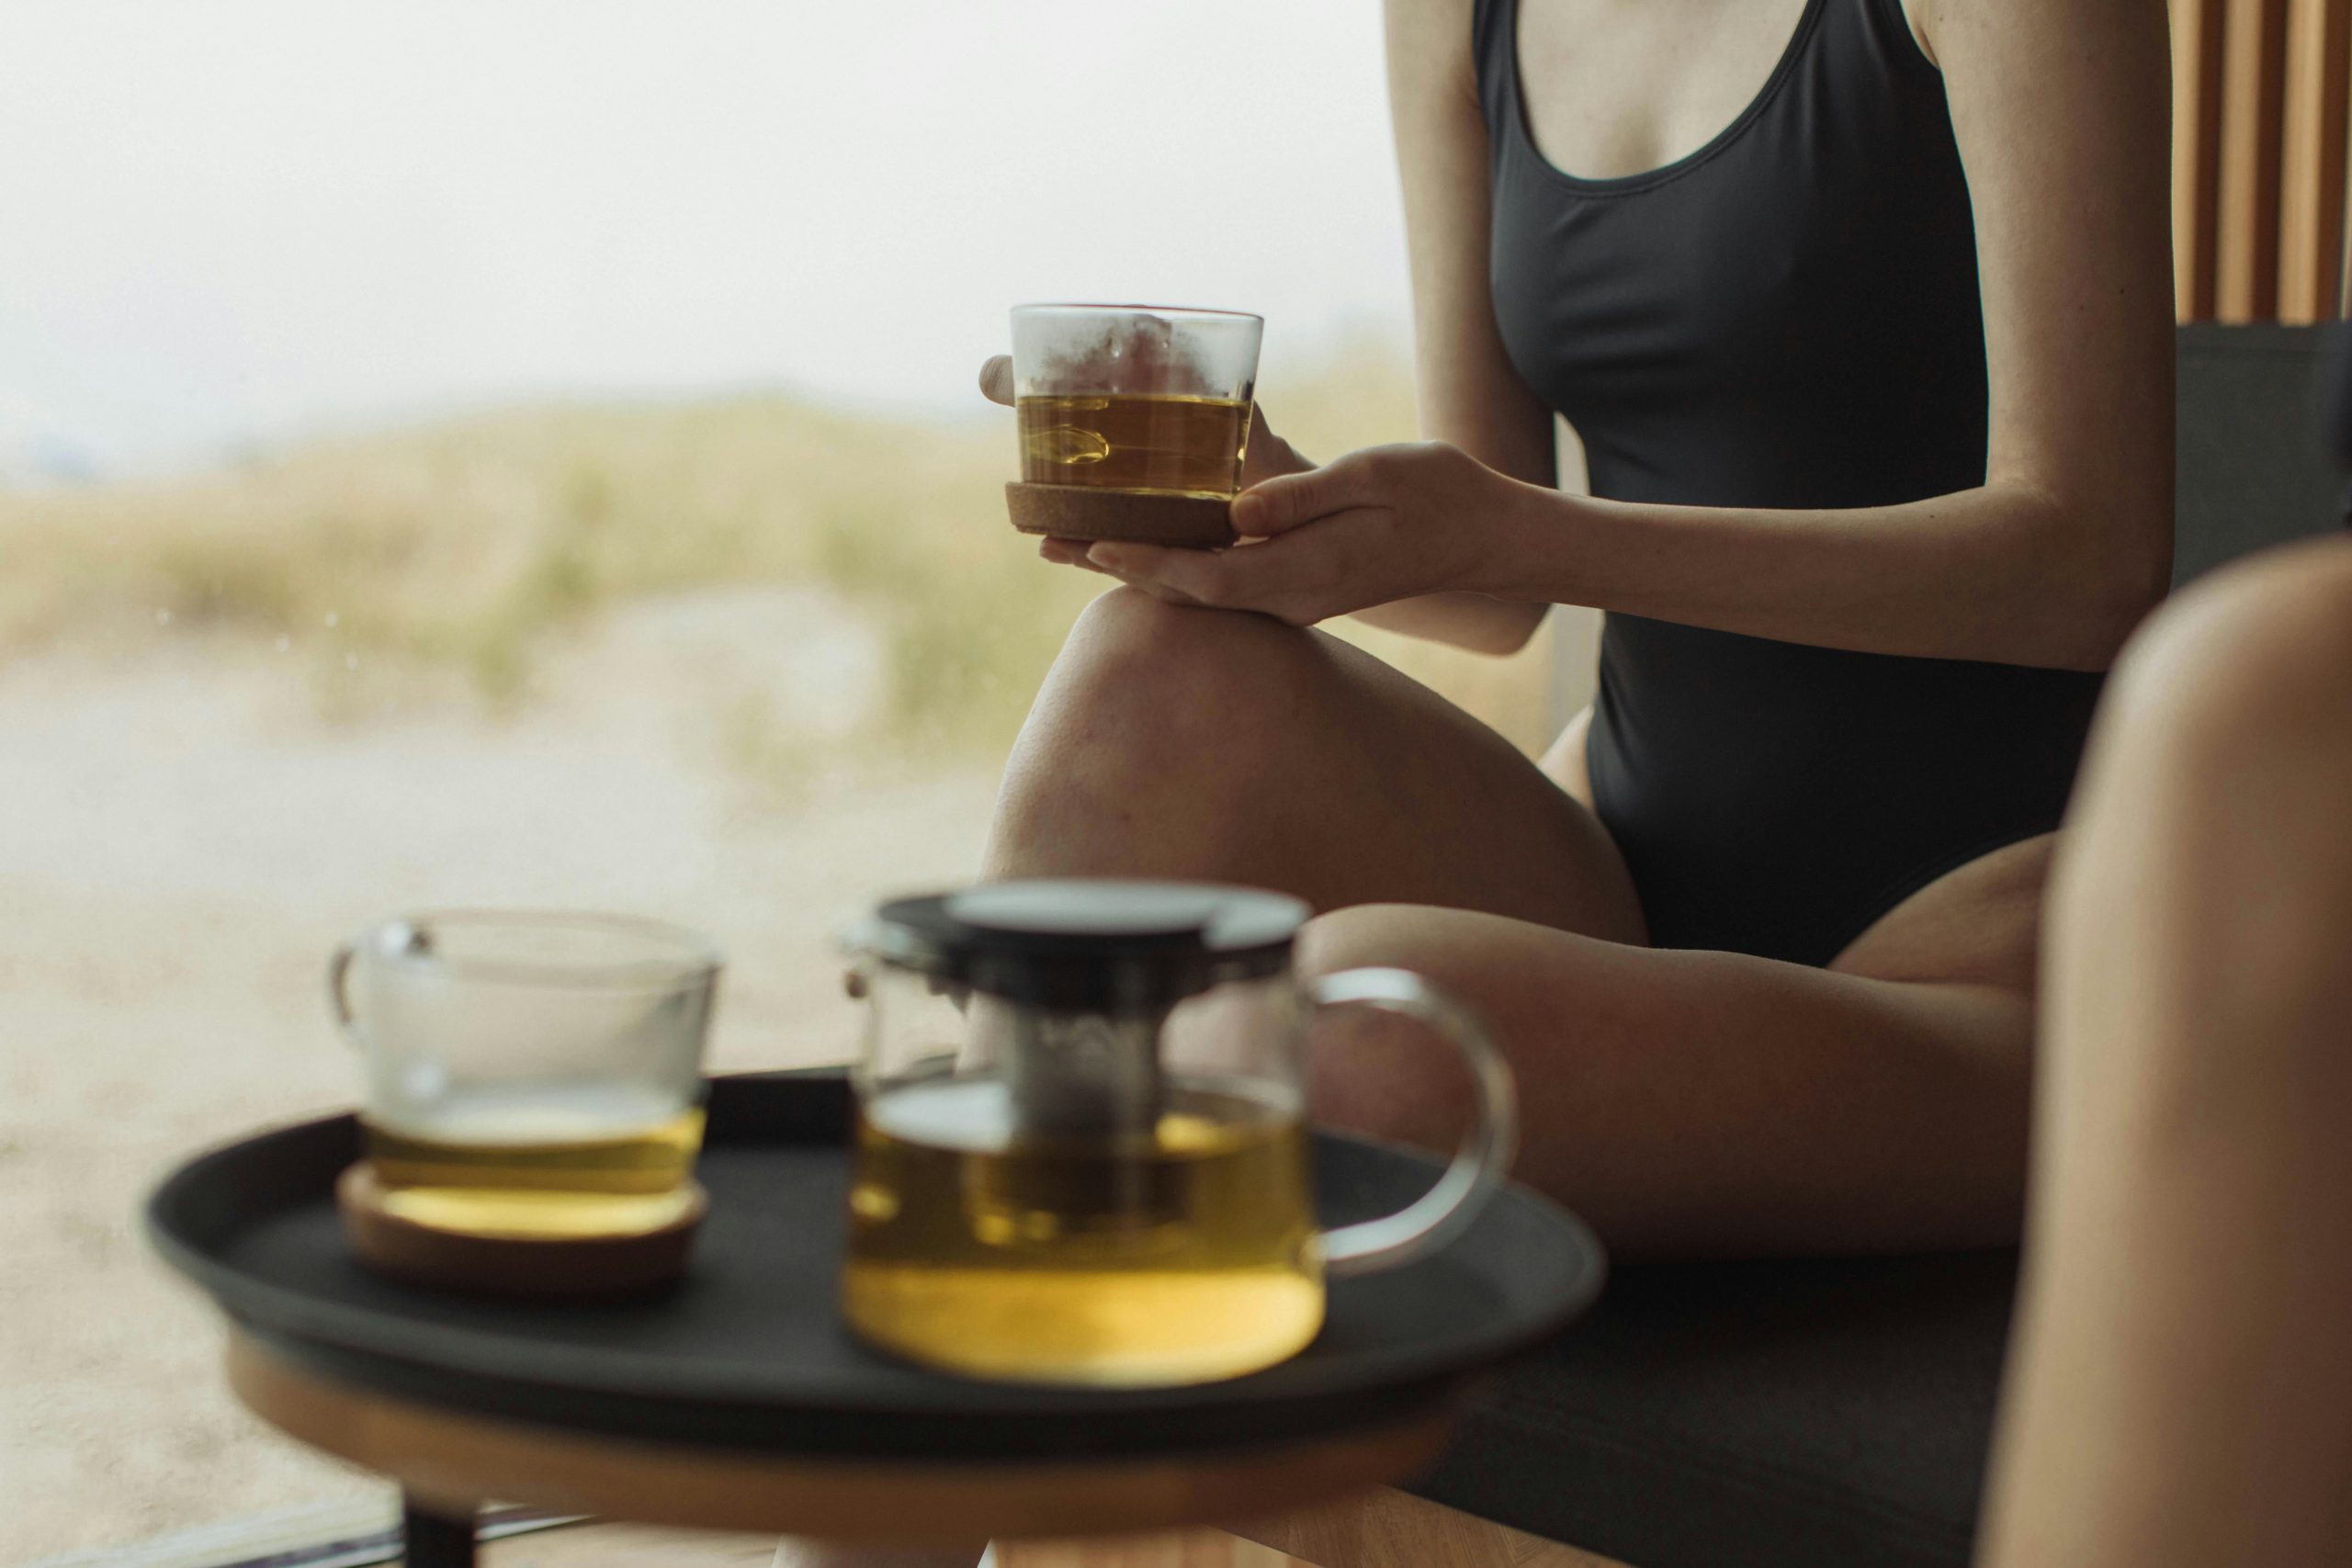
<point>1082,1154</point>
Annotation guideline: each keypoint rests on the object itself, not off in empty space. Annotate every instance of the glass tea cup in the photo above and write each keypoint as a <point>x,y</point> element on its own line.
<point>530,1075</point>
<point>1081,1153</point>
<point>1146,400</point>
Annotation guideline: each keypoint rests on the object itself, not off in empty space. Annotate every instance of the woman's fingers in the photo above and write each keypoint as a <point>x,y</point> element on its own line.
<point>1162,572</point>
<point>1276,582</point>
<point>1065,552</point>
<point>995,379</point>
<point>1289,501</point>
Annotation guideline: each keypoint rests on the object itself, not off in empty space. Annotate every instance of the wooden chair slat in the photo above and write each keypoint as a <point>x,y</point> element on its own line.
<point>2246,280</point>
<point>2312,158</point>
<point>2195,153</point>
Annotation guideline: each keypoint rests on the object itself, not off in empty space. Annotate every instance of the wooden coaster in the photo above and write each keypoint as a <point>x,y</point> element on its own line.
<point>1076,511</point>
<point>552,1269</point>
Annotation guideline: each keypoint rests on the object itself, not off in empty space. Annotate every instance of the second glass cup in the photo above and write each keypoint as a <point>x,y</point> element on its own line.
<point>530,1076</point>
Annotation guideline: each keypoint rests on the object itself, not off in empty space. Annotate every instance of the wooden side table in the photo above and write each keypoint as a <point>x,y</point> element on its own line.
<point>736,1401</point>
<point>447,1464</point>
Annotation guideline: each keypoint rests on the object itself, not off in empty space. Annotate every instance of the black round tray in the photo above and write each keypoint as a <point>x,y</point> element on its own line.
<point>749,1351</point>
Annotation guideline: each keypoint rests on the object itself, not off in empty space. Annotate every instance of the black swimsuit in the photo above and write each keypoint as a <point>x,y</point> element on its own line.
<point>1789,317</point>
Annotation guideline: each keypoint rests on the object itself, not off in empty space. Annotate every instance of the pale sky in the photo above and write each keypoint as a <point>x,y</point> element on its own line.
<point>238,220</point>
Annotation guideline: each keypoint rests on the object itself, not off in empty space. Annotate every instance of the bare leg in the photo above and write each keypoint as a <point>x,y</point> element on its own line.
<point>1702,1103</point>
<point>2181,1390</point>
<point>1203,743</point>
<point>1683,1102</point>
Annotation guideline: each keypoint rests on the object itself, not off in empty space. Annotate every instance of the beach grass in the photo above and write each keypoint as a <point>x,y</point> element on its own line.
<point>470,545</point>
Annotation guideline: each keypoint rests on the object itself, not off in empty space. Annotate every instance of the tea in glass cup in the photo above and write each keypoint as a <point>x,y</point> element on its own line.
<point>1133,420</point>
<point>1145,399</point>
<point>530,1076</point>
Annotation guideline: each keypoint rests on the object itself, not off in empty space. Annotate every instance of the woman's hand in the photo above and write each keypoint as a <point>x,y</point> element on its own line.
<point>1384,524</point>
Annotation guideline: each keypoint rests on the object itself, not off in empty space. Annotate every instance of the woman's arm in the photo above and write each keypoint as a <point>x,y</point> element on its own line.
<point>2060,109</point>
<point>1469,395</point>
<point>1469,392</point>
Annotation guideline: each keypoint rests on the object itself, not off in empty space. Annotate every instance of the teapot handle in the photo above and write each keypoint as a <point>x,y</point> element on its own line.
<point>1485,1155</point>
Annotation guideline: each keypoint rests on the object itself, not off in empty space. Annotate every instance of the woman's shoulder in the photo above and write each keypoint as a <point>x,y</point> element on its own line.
<point>1443,48</point>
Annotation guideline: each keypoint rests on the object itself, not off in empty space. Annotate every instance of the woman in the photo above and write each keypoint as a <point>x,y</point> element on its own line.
<point>1862,316</point>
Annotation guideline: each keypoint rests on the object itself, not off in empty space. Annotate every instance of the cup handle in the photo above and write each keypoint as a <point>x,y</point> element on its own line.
<point>1480,1164</point>
<point>339,993</point>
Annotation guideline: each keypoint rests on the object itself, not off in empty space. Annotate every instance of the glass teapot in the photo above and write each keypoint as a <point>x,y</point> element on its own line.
<point>1082,1154</point>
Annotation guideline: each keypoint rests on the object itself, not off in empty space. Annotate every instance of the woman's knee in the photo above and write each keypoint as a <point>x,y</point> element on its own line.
<point>2211,871</point>
<point>2249,658</point>
<point>1157,727</point>
<point>2224,736</point>
<point>1146,669</point>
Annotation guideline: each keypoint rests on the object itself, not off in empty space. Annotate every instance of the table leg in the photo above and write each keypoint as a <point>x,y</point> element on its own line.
<point>433,1539</point>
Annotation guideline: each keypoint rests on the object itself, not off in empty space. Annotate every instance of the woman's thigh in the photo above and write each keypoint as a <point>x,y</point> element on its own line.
<point>1692,1103</point>
<point>1980,923</point>
<point>1171,741</point>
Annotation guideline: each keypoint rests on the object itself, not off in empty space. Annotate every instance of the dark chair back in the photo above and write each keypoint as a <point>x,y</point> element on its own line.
<point>2250,468</point>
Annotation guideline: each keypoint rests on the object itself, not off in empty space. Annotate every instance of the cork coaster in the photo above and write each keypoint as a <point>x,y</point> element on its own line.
<point>1076,511</point>
<point>540,1268</point>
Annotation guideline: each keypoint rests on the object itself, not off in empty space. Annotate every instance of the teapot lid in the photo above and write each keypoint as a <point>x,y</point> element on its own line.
<point>1074,944</point>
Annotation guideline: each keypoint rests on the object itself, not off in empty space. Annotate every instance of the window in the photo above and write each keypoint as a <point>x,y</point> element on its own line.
<point>525,454</point>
